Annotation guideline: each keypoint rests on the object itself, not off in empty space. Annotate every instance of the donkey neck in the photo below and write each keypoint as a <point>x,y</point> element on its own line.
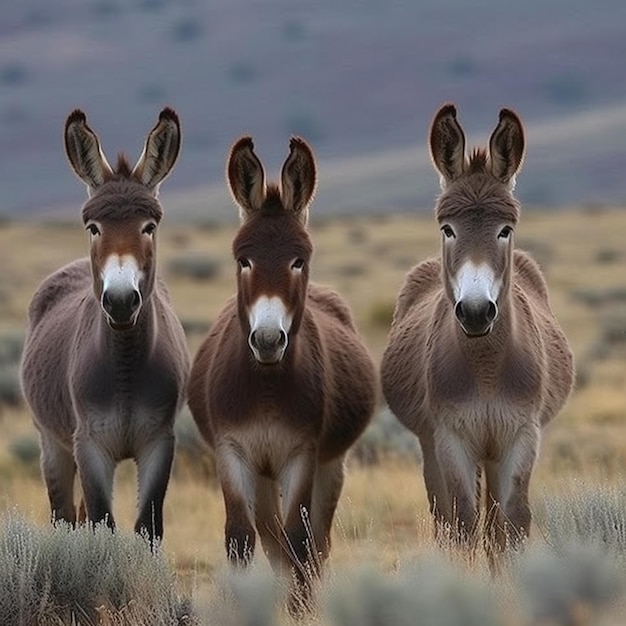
<point>128,349</point>
<point>504,361</point>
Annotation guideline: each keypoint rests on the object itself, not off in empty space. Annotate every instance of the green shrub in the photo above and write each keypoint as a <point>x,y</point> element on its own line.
<point>57,575</point>
<point>385,438</point>
<point>569,586</point>
<point>26,450</point>
<point>586,515</point>
<point>380,313</point>
<point>430,593</point>
<point>195,266</point>
<point>10,390</point>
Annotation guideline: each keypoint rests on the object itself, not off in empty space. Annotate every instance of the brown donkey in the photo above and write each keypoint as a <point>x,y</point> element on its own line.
<point>105,363</point>
<point>476,363</point>
<point>282,386</point>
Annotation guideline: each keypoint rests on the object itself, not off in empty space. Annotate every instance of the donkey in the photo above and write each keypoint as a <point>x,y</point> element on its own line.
<point>105,363</point>
<point>476,363</point>
<point>282,386</point>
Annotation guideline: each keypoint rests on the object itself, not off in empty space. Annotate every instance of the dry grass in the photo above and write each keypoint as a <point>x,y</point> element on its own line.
<point>383,514</point>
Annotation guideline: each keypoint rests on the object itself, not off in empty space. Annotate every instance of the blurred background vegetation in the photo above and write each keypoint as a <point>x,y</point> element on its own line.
<point>361,81</point>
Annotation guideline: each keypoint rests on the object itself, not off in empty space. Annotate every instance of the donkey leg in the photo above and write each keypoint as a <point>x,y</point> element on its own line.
<point>513,481</point>
<point>458,470</point>
<point>268,520</point>
<point>96,468</point>
<point>296,480</point>
<point>327,488</point>
<point>154,464</point>
<point>436,490</point>
<point>59,470</point>
<point>238,489</point>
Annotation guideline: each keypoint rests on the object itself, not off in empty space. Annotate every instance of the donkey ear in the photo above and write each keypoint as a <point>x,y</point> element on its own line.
<point>246,177</point>
<point>160,151</point>
<point>506,147</point>
<point>447,144</point>
<point>84,153</point>
<point>298,178</point>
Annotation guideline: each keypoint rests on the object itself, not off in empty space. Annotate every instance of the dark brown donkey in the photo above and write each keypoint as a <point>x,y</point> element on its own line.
<point>105,363</point>
<point>282,386</point>
<point>476,363</point>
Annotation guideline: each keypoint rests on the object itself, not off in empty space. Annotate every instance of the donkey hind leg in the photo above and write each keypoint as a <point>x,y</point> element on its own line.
<point>154,464</point>
<point>458,470</point>
<point>327,488</point>
<point>96,468</point>
<point>59,471</point>
<point>508,484</point>
<point>238,484</point>
<point>268,521</point>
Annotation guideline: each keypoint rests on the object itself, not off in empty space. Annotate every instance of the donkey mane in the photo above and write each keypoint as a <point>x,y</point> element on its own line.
<point>270,224</point>
<point>479,191</point>
<point>273,201</point>
<point>121,198</point>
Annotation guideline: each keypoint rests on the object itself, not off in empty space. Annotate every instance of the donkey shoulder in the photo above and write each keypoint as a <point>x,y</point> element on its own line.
<point>530,277</point>
<point>418,283</point>
<point>328,301</point>
<point>72,278</point>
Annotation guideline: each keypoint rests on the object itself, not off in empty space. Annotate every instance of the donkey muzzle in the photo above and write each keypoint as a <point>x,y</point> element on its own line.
<point>476,317</point>
<point>268,344</point>
<point>121,308</point>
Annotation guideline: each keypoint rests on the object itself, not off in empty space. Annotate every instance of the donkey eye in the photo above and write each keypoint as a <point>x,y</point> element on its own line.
<point>149,228</point>
<point>447,231</point>
<point>298,264</point>
<point>93,229</point>
<point>244,263</point>
<point>505,233</point>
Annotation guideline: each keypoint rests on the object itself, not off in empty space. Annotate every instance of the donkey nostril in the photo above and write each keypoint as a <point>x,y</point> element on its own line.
<point>252,338</point>
<point>107,303</point>
<point>492,311</point>
<point>135,301</point>
<point>282,338</point>
<point>459,311</point>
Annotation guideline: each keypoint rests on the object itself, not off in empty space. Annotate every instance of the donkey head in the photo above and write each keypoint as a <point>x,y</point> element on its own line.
<point>122,213</point>
<point>477,214</point>
<point>272,247</point>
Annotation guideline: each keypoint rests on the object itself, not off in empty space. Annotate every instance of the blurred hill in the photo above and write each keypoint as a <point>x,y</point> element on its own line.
<point>359,79</point>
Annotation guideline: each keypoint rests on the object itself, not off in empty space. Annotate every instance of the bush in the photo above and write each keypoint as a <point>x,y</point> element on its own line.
<point>195,266</point>
<point>26,451</point>
<point>384,438</point>
<point>569,586</point>
<point>588,515</point>
<point>381,313</point>
<point>10,389</point>
<point>431,593</point>
<point>56,574</point>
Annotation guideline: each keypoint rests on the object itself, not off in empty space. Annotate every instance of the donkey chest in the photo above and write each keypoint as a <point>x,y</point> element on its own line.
<point>266,445</point>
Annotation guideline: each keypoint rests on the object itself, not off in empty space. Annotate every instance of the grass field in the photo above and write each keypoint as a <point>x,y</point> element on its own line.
<point>382,516</point>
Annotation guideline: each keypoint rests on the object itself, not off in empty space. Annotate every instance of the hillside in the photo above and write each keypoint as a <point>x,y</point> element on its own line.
<point>360,80</point>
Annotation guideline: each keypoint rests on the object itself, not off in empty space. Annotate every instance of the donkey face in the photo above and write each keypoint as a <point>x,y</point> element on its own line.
<point>477,215</point>
<point>122,213</point>
<point>272,248</point>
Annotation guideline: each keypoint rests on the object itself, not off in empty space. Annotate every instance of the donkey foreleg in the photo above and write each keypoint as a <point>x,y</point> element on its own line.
<point>59,470</point>
<point>508,485</point>
<point>327,488</point>
<point>458,471</point>
<point>154,464</point>
<point>96,468</point>
<point>296,480</point>
<point>238,489</point>
<point>438,500</point>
